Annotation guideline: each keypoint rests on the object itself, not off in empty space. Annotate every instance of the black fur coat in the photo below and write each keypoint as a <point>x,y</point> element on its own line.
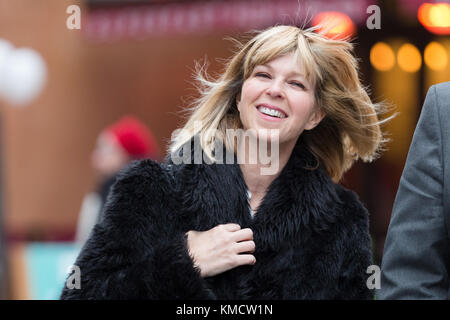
<point>311,235</point>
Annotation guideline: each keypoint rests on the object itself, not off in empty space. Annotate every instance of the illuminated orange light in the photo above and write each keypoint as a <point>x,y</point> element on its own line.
<point>435,56</point>
<point>435,17</point>
<point>409,58</point>
<point>382,56</point>
<point>334,25</point>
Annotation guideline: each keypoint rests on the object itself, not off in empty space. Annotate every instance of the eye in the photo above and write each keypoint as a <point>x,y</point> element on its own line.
<point>298,84</point>
<point>263,75</point>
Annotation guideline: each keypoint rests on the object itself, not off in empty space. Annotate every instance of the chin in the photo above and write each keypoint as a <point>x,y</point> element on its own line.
<point>268,134</point>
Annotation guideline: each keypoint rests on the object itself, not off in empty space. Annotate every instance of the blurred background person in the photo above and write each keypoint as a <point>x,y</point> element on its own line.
<point>117,145</point>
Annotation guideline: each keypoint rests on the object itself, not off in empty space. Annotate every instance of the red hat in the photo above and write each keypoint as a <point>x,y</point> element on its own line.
<point>135,138</point>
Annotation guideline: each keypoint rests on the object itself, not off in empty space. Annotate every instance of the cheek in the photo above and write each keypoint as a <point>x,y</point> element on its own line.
<point>303,106</point>
<point>250,90</point>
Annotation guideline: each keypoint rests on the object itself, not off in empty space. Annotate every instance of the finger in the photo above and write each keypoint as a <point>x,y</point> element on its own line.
<point>245,246</point>
<point>243,259</point>
<point>232,227</point>
<point>242,235</point>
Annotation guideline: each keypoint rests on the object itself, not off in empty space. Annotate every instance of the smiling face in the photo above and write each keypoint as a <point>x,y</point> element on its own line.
<point>277,95</point>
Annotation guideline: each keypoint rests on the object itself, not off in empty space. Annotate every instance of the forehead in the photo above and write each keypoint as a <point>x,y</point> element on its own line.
<point>286,63</point>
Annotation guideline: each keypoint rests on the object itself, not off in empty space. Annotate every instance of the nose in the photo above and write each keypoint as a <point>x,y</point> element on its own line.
<point>275,89</point>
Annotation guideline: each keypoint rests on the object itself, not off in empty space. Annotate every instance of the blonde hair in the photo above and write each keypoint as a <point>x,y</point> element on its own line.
<point>351,127</point>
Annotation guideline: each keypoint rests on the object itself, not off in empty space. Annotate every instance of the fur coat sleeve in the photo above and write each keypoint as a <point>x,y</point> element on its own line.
<point>133,253</point>
<point>357,254</point>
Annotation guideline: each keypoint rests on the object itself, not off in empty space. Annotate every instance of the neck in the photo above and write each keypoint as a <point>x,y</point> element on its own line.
<point>255,174</point>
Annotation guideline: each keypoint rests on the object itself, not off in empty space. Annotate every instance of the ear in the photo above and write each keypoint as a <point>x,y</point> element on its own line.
<point>315,119</point>
<point>238,99</point>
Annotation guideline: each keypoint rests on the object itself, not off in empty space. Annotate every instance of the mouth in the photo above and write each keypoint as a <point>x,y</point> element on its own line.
<point>271,111</point>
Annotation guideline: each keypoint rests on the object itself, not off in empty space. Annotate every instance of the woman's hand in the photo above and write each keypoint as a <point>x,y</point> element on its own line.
<point>221,248</point>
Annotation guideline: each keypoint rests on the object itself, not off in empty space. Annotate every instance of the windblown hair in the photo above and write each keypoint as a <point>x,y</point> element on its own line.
<point>350,129</point>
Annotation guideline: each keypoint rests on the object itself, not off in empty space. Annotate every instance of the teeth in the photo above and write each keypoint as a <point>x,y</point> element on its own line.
<point>271,112</point>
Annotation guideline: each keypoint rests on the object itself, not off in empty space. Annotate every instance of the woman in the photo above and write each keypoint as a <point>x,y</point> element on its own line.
<point>208,230</point>
<point>117,145</point>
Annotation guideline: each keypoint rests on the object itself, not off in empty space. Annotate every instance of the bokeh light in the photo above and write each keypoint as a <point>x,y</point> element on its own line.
<point>409,58</point>
<point>436,56</point>
<point>335,25</point>
<point>435,17</point>
<point>382,56</point>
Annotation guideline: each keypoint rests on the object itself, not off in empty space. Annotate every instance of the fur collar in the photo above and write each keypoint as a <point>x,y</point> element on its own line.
<point>298,203</point>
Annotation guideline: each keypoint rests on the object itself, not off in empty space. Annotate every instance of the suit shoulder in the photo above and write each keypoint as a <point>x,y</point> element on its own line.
<point>443,87</point>
<point>441,93</point>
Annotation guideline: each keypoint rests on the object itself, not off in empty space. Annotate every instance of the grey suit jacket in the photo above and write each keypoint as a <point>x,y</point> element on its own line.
<point>416,255</point>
